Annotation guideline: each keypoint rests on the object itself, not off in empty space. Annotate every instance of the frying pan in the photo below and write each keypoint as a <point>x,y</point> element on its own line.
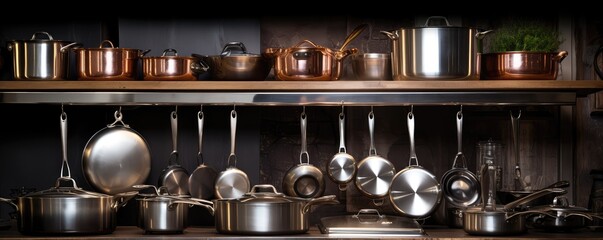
<point>304,180</point>
<point>232,182</point>
<point>116,158</point>
<point>202,181</point>
<point>374,174</point>
<point>415,192</point>
<point>342,167</point>
<point>174,177</point>
<point>461,187</point>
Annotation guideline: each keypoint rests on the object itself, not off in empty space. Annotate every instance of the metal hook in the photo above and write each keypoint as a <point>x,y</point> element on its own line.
<point>176,109</point>
<point>234,106</point>
<point>371,108</point>
<point>461,109</point>
<point>201,108</point>
<point>118,118</point>
<point>518,114</point>
<point>62,109</point>
<point>304,110</point>
<point>412,108</point>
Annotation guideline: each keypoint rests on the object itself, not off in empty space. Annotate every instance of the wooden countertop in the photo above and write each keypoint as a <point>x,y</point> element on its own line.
<point>132,232</point>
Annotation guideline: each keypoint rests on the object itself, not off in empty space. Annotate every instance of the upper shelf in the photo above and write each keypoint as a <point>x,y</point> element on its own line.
<point>527,92</point>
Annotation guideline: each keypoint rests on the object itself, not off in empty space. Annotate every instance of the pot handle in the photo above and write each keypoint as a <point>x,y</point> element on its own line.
<point>121,199</point>
<point>560,56</point>
<point>72,45</point>
<point>208,207</point>
<point>596,65</point>
<point>510,206</point>
<point>256,188</point>
<point>514,214</point>
<point>105,42</point>
<point>481,35</point>
<point>329,199</point>
<point>141,53</point>
<point>144,186</point>
<point>169,50</point>
<point>306,41</point>
<point>57,184</point>
<point>436,17</point>
<point>49,37</point>
<point>390,35</point>
<point>10,202</point>
<point>199,67</point>
<point>226,51</point>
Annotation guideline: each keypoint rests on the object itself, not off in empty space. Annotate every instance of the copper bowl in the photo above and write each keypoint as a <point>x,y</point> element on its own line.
<point>519,65</point>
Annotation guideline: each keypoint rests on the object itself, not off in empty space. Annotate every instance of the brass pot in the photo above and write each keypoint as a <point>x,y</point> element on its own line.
<point>308,63</point>
<point>172,67</point>
<point>107,63</point>
<point>519,65</point>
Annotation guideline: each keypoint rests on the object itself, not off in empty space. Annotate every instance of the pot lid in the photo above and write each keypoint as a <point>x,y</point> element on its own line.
<point>107,45</point>
<point>35,38</point>
<point>265,193</point>
<point>59,191</point>
<point>370,223</point>
<point>560,204</point>
<point>236,49</point>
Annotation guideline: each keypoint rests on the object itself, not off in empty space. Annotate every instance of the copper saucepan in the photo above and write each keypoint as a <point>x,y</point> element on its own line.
<point>170,66</point>
<point>107,62</point>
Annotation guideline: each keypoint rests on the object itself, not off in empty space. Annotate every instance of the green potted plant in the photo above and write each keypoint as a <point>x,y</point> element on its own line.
<point>522,50</point>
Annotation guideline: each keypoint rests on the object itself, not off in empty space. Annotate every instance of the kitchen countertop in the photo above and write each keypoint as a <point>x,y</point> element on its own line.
<point>436,232</point>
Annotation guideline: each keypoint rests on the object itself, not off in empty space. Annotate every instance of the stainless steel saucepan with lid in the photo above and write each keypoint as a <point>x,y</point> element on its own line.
<point>414,192</point>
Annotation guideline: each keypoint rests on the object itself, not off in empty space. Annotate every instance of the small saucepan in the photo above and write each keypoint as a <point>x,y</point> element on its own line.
<point>202,181</point>
<point>342,166</point>
<point>170,66</point>
<point>304,180</point>
<point>174,177</point>
<point>232,182</point>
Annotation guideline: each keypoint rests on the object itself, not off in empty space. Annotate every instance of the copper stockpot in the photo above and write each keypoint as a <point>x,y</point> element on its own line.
<point>518,65</point>
<point>172,67</point>
<point>107,62</point>
<point>308,63</point>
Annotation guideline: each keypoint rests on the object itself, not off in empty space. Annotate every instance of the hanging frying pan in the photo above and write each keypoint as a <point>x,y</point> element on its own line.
<point>116,158</point>
<point>202,181</point>
<point>174,177</point>
<point>342,167</point>
<point>232,182</point>
<point>304,180</point>
<point>414,192</point>
<point>461,187</point>
<point>374,174</point>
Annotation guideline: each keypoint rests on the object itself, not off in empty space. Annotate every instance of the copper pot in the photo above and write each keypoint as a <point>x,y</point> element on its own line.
<point>172,67</point>
<point>235,63</point>
<point>518,65</point>
<point>107,62</point>
<point>310,62</point>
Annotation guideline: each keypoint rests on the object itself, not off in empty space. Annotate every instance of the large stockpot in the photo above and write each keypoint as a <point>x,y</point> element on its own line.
<point>308,61</point>
<point>107,62</point>
<point>263,211</point>
<point>170,66</point>
<point>235,63</point>
<point>67,209</point>
<point>519,65</point>
<point>435,52</point>
<point>40,59</point>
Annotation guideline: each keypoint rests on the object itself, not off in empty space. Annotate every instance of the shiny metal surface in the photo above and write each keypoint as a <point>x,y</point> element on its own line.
<point>107,63</point>
<point>202,181</point>
<point>372,66</point>
<point>368,222</point>
<point>40,58</point>
<point>477,222</point>
<point>521,65</point>
<point>304,180</point>
<point>160,215</point>
<point>342,167</point>
<point>172,67</point>
<point>308,63</point>
<point>237,65</point>
<point>375,173</point>
<point>174,177</point>
<point>483,98</point>
<point>116,158</point>
<point>265,213</point>
<point>414,192</point>
<point>232,182</point>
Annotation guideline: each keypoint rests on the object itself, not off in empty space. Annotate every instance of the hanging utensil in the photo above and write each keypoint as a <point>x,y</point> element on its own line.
<point>304,180</point>
<point>174,177</point>
<point>342,167</point>
<point>461,187</point>
<point>116,158</point>
<point>414,192</point>
<point>374,174</point>
<point>202,181</point>
<point>519,182</point>
<point>232,182</point>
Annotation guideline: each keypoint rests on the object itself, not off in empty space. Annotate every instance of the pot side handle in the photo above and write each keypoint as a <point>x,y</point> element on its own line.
<point>6,200</point>
<point>208,207</point>
<point>121,199</point>
<point>329,199</point>
<point>560,56</point>
<point>390,35</point>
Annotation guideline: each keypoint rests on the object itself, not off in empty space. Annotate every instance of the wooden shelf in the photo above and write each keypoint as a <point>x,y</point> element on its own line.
<point>528,92</point>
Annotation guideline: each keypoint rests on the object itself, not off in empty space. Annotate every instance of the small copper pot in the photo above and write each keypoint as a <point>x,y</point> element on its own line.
<point>107,62</point>
<point>311,62</point>
<point>172,67</point>
<point>518,65</point>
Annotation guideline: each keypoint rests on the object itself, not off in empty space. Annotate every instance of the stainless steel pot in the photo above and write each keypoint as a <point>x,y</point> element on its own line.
<point>435,52</point>
<point>40,59</point>
<point>234,63</point>
<point>164,213</point>
<point>308,61</point>
<point>108,62</point>
<point>565,217</point>
<point>372,66</point>
<point>520,65</point>
<point>67,209</point>
<point>263,211</point>
<point>172,67</point>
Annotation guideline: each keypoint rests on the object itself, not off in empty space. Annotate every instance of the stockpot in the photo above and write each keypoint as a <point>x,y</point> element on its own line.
<point>264,211</point>
<point>435,52</point>
<point>40,58</point>
<point>107,62</point>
